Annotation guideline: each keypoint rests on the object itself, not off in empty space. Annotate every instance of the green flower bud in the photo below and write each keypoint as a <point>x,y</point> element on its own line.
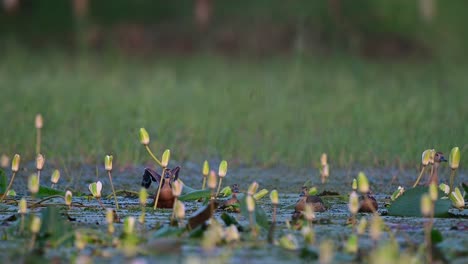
<point>33,183</point>
<point>206,168</point>
<point>353,204</point>
<point>274,197</point>
<point>354,185</point>
<point>426,205</point>
<point>432,153</point>
<point>38,121</point>
<point>250,203</point>
<point>457,199</point>
<point>363,183</point>
<point>226,191</point>
<point>35,224</point>
<point>95,189</point>
<point>252,188</point>
<point>165,158</point>
<point>23,206</point>
<point>454,158</point>
<point>144,137</point>
<point>40,160</point>
<point>426,157</point>
<point>222,169</point>
<point>143,196</point>
<point>68,198</point>
<point>15,163</point>
<point>108,162</point>
<point>129,225</point>
<point>260,194</point>
<point>55,176</point>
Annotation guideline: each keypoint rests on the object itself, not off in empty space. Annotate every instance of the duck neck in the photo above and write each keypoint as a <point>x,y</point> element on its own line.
<point>435,173</point>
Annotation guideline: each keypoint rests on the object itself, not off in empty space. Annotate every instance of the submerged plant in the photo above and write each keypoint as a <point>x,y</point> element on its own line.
<point>55,178</point>
<point>108,166</point>
<point>205,172</point>
<point>221,173</point>
<point>38,122</point>
<point>14,169</point>
<point>454,162</point>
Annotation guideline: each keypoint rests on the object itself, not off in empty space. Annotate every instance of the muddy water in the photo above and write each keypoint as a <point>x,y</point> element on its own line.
<point>329,225</point>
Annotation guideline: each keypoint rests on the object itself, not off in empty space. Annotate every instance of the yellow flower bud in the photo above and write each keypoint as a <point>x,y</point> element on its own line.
<point>426,156</point>
<point>165,158</point>
<point>354,185</point>
<point>212,180</point>
<point>4,161</point>
<point>454,158</point>
<point>35,224</point>
<point>222,169</point>
<point>177,188</point>
<point>38,122</point>
<point>108,162</point>
<point>23,206</point>
<point>129,225</point>
<point>144,137</point>
<point>15,163</point>
<point>143,196</point>
<point>252,188</point>
<point>55,177</point>
<point>433,192</point>
<point>206,168</point>
<point>33,183</point>
<point>250,203</point>
<point>40,160</point>
<point>426,205</point>
<point>68,198</point>
<point>323,159</point>
<point>95,189</point>
<point>274,197</point>
<point>363,183</point>
<point>353,204</point>
<point>179,210</point>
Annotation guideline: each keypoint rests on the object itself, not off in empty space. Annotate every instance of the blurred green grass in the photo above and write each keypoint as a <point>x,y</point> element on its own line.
<point>255,112</point>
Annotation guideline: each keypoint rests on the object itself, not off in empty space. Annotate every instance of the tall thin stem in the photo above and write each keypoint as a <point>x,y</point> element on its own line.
<point>38,140</point>
<point>160,186</point>
<point>419,177</point>
<point>219,186</point>
<point>204,183</point>
<point>152,156</point>
<point>113,190</point>
<point>452,177</point>
<point>9,186</point>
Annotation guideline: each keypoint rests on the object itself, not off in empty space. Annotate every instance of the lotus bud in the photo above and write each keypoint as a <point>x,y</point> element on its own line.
<point>177,188</point>
<point>252,188</point>
<point>179,210</point>
<point>212,180</point>
<point>4,161</point>
<point>432,153</point>
<point>426,157</point>
<point>95,189</point>
<point>426,205</point>
<point>68,198</point>
<point>309,213</point>
<point>222,169</point>
<point>433,192</point>
<point>23,206</point>
<point>363,183</point>
<point>231,234</point>
<point>38,122</point>
<point>33,183</point>
<point>397,193</point>
<point>108,162</point>
<point>353,204</point>
<point>144,137</point>
<point>40,162</point>
<point>15,163</point>
<point>326,252</point>
<point>165,158</point>
<point>352,245</point>
<point>129,225</point>
<point>250,203</point>
<point>354,185</point>
<point>143,196</point>
<point>375,229</point>
<point>289,242</point>
<point>445,188</point>
<point>323,159</point>
<point>274,197</point>
<point>457,199</point>
<point>206,168</point>
<point>55,177</point>
<point>361,227</point>
<point>454,158</point>
<point>35,224</point>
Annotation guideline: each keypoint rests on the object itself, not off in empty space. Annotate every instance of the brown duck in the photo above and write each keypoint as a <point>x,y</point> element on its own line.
<point>438,158</point>
<point>314,200</point>
<point>368,204</point>
<point>166,198</point>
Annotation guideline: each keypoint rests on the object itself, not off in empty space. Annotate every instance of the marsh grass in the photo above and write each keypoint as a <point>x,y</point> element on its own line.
<point>257,112</point>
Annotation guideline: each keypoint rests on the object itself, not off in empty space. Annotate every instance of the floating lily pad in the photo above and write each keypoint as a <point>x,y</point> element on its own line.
<point>408,204</point>
<point>47,191</point>
<point>195,195</point>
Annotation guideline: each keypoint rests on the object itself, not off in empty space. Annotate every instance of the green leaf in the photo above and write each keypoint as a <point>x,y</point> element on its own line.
<point>436,236</point>
<point>3,181</point>
<point>408,204</point>
<point>195,195</point>
<point>47,191</point>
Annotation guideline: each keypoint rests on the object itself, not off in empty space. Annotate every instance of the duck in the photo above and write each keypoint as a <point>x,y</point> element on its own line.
<point>368,204</point>
<point>438,158</point>
<point>314,200</point>
<point>166,197</point>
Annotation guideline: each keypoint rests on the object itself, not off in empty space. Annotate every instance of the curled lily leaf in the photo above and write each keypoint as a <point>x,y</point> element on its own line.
<point>397,193</point>
<point>445,188</point>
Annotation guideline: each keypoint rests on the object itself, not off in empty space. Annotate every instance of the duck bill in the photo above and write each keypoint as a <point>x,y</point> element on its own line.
<point>442,159</point>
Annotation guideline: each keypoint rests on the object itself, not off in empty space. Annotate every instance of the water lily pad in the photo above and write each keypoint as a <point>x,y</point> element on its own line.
<point>408,204</point>
<point>47,191</point>
<point>195,195</point>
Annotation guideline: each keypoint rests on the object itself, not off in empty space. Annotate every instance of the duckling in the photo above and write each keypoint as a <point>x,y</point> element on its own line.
<point>368,204</point>
<point>314,200</point>
<point>438,158</point>
<point>166,197</point>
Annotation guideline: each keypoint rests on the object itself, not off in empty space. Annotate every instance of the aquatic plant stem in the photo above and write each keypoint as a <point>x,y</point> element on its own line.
<point>159,189</point>
<point>204,183</point>
<point>152,156</point>
<point>9,186</point>
<point>419,177</point>
<point>271,232</point>
<point>219,186</point>
<point>38,141</point>
<point>173,211</point>
<point>33,241</point>
<point>100,203</point>
<point>452,178</point>
<point>252,226</point>
<point>113,190</point>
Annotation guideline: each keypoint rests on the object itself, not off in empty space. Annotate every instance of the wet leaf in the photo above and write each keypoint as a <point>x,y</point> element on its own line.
<point>195,195</point>
<point>408,204</point>
<point>201,215</point>
<point>47,191</point>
